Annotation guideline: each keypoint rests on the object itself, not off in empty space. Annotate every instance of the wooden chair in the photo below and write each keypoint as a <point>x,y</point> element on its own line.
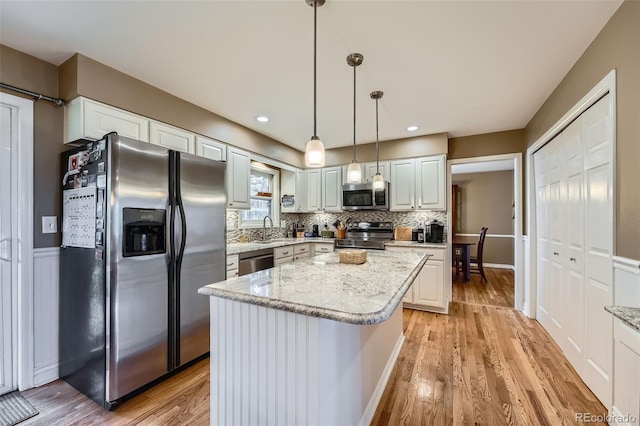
<point>476,261</point>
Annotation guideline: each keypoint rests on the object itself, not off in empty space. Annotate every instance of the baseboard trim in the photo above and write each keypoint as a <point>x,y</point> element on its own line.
<point>499,266</point>
<point>370,411</point>
<point>45,374</point>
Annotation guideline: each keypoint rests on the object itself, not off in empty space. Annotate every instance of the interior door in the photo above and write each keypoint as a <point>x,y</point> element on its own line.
<point>543,309</point>
<point>599,202</point>
<point>574,247</point>
<point>6,337</point>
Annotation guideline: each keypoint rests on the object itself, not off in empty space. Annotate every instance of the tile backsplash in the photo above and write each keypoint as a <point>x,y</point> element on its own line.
<point>413,219</point>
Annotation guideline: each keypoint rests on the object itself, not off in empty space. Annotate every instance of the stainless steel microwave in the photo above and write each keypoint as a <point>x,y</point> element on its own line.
<point>362,196</point>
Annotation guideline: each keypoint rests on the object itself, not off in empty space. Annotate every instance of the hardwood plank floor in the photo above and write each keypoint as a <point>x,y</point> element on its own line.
<point>497,291</point>
<point>182,399</point>
<point>484,364</point>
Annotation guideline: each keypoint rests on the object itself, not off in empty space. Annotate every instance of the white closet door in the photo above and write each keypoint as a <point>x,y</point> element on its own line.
<point>573,254</point>
<point>545,296</point>
<point>598,176</point>
<point>555,210</point>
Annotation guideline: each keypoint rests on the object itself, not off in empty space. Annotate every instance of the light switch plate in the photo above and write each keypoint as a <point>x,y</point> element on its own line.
<point>230,225</point>
<point>49,224</point>
<point>283,224</point>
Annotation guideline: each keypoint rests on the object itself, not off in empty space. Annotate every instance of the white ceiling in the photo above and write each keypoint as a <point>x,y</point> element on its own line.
<point>462,67</point>
<point>482,167</point>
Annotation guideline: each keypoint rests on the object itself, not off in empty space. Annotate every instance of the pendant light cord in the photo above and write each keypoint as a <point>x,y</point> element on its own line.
<point>354,113</point>
<point>377,142</point>
<point>315,59</point>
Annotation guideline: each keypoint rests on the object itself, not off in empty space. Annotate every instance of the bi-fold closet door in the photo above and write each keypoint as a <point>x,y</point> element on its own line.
<point>574,219</point>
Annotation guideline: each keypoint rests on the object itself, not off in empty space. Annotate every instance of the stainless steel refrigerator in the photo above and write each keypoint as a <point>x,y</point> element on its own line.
<point>143,228</point>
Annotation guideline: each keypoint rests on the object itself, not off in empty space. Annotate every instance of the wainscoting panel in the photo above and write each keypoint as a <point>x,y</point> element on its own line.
<point>626,282</point>
<point>45,313</point>
<point>280,349</point>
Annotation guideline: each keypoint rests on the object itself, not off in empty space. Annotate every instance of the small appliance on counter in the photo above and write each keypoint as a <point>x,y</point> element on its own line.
<point>314,232</point>
<point>435,232</point>
<point>417,234</point>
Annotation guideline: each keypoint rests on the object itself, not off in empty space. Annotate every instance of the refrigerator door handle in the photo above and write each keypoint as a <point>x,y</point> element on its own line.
<point>180,254</point>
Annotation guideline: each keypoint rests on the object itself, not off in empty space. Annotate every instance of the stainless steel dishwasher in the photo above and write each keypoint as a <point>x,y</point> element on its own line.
<point>255,260</point>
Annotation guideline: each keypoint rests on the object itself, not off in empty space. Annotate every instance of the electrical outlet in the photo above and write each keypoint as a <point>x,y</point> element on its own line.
<point>283,224</point>
<point>231,225</point>
<point>49,224</point>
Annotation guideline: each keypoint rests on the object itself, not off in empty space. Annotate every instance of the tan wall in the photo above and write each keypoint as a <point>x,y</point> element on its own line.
<point>485,199</point>
<point>27,72</point>
<point>496,143</point>
<point>616,47</point>
<point>82,76</point>
<point>418,146</point>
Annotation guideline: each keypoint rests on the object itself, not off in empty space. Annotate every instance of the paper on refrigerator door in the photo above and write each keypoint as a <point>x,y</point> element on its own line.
<point>79,217</point>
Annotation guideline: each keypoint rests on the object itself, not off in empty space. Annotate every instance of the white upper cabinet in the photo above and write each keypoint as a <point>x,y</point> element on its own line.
<point>87,119</point>
<point>369,170</point>
<point>332,189</point>
<point>208,148</point>
<point>292,183</point>
<point>237,178</point>
<point>402,185</point>
<point>314,190</point>
<point>301,191</point>
<point>418,184</point>
<point>430,183</point>
<point>172,137</point>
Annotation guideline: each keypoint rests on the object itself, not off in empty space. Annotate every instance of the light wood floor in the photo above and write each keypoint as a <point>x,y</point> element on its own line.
<point>484,364</point>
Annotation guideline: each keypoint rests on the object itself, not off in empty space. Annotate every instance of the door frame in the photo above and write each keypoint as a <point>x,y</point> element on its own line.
<point>518,255</point>
<point>606,85</point>
<point>22,240</point>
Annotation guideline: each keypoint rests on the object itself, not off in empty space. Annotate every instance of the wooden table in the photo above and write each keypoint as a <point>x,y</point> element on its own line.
<point>465,247</point>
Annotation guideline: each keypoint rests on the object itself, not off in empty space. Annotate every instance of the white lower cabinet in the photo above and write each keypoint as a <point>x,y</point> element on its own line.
<point>291,253</point>
<point>427,292</point>
<point>301,251</point>
<point>626,375</point>
<point>282,255</point>
<point>322,248</point>
<point>233,261</point>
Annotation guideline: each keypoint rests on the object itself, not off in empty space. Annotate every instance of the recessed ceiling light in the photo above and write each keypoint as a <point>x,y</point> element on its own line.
<point>412,128</point>
<point>262,118</point>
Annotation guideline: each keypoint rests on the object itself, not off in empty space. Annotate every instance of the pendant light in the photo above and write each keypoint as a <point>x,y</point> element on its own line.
<point>378,180</point>
<point>354,171</point>
<point>314,152</point>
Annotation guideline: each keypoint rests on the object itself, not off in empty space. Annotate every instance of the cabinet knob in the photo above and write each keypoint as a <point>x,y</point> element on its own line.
<point>230,204</point>
<point>411,206</point>
<point>555,253</point>
<point>573,259</point>
<point>419,207</point>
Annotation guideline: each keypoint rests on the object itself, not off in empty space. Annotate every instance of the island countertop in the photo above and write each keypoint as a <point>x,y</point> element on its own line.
<point>322,287</point>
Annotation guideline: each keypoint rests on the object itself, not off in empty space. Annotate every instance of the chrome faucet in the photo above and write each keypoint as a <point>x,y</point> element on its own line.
<point>264,226</point>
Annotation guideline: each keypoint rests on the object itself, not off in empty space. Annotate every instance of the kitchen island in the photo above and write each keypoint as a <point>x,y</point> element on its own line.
<point>312,342</point>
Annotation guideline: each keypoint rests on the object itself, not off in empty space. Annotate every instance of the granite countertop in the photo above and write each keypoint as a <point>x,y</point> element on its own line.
<point>629,316</point>
<point>322,287</point>
<point>235,248</point>
<point>394,243</point>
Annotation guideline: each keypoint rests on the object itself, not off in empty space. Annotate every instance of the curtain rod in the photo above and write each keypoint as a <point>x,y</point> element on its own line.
<point>36,96</point>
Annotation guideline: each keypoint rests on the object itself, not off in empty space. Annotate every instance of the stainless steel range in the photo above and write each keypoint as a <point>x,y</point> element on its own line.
<point>367,235</point>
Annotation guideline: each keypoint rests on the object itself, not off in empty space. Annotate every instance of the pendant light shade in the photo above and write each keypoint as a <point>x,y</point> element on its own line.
<point>378,180</point>
<point>314,151</point>
<point>354,171</point>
